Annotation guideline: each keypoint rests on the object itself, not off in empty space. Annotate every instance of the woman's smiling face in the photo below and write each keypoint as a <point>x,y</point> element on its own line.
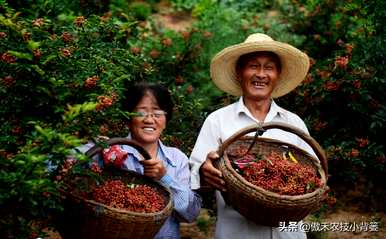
<point>147,127</point>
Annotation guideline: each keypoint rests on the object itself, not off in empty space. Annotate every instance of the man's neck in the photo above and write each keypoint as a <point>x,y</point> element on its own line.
<point>259,109</point>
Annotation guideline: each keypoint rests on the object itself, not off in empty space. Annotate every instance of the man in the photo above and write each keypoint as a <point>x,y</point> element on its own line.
<point>257,70</point>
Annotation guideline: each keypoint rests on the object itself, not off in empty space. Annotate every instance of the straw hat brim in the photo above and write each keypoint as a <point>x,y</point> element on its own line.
<point>294,66</point>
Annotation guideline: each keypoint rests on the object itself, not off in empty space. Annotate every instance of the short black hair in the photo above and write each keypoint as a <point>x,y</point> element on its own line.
<point>243,59</point>
<point>135,92</point>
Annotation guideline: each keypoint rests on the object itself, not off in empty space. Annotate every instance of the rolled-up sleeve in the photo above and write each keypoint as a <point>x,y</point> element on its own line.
<point>187,203</point>
<point>207,141</point>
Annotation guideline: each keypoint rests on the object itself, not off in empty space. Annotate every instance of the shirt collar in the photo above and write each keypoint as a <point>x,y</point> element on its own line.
<point>277,110</point>
<point>274,110</point>
<point>163,152</point>
<point>167,153</point>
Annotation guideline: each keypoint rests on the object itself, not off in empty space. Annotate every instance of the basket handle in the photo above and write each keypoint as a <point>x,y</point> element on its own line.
<point>286,127</point>
<point>113,141</point>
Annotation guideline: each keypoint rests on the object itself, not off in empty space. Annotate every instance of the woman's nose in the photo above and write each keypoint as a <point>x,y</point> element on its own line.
<point>148,118</point>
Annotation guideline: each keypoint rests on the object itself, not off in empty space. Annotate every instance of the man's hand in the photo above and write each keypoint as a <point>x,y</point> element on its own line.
<point>153,168</point>
<point>210,174</point>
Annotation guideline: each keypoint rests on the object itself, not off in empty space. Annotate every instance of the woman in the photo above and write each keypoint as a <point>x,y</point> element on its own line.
<point>168,165</point>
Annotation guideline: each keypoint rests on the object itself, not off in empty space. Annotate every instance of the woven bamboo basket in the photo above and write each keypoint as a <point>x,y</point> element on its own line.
<point>86,219</point>
<point>257,204</point>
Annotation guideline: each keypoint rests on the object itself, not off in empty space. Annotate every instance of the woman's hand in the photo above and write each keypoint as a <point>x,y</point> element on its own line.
<point>210,174</point>
<point>153,168</point>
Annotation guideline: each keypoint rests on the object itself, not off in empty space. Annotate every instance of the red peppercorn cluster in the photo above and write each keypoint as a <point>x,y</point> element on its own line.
<point>104,102</point>
<point>79,21</point>
<point>135,198</point>
<point>91,82</point>
<point>7,58</point>
<point>281,176</point>
<point>238,151</point>
<point>65,167</point>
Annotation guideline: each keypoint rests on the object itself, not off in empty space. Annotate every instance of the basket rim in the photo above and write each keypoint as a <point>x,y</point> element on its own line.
<point>315,162</point>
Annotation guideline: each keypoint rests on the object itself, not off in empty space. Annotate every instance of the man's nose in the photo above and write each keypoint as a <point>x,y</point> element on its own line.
<point>260,72</point>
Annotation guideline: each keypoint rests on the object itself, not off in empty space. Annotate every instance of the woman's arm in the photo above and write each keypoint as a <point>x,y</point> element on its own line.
<point>187,203</point>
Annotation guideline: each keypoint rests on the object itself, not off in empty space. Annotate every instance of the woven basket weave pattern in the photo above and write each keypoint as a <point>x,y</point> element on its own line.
<point>88,219</point>
<point>259,205</point>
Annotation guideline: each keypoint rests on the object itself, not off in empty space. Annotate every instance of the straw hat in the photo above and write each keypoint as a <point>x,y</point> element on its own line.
<point>294,64</point>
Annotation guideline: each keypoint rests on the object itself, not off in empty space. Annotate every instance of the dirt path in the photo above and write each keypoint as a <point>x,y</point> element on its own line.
<point>166,18</point>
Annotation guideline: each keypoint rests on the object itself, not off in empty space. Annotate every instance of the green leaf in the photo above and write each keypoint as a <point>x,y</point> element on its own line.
<point>21,55</point>
<point>49,58</point>
<point>74,111</point>
<point>33,45</point>
<point>38,69</point>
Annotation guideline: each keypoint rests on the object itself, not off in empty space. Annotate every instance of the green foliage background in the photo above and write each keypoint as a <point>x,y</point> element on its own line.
<point>65,64</point>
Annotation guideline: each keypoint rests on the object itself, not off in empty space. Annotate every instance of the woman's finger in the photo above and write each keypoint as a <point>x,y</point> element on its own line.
<point>156,171</point>
<point>150,162</point>
<point>151,167</point>
<point>153,170</point>
<point>151,175</point>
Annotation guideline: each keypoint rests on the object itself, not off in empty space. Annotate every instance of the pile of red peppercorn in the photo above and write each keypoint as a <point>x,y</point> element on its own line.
<point>277,174</point>
<point>131,197</point>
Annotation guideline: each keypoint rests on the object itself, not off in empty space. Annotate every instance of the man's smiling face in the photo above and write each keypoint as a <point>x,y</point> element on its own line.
<point>258,75</point>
